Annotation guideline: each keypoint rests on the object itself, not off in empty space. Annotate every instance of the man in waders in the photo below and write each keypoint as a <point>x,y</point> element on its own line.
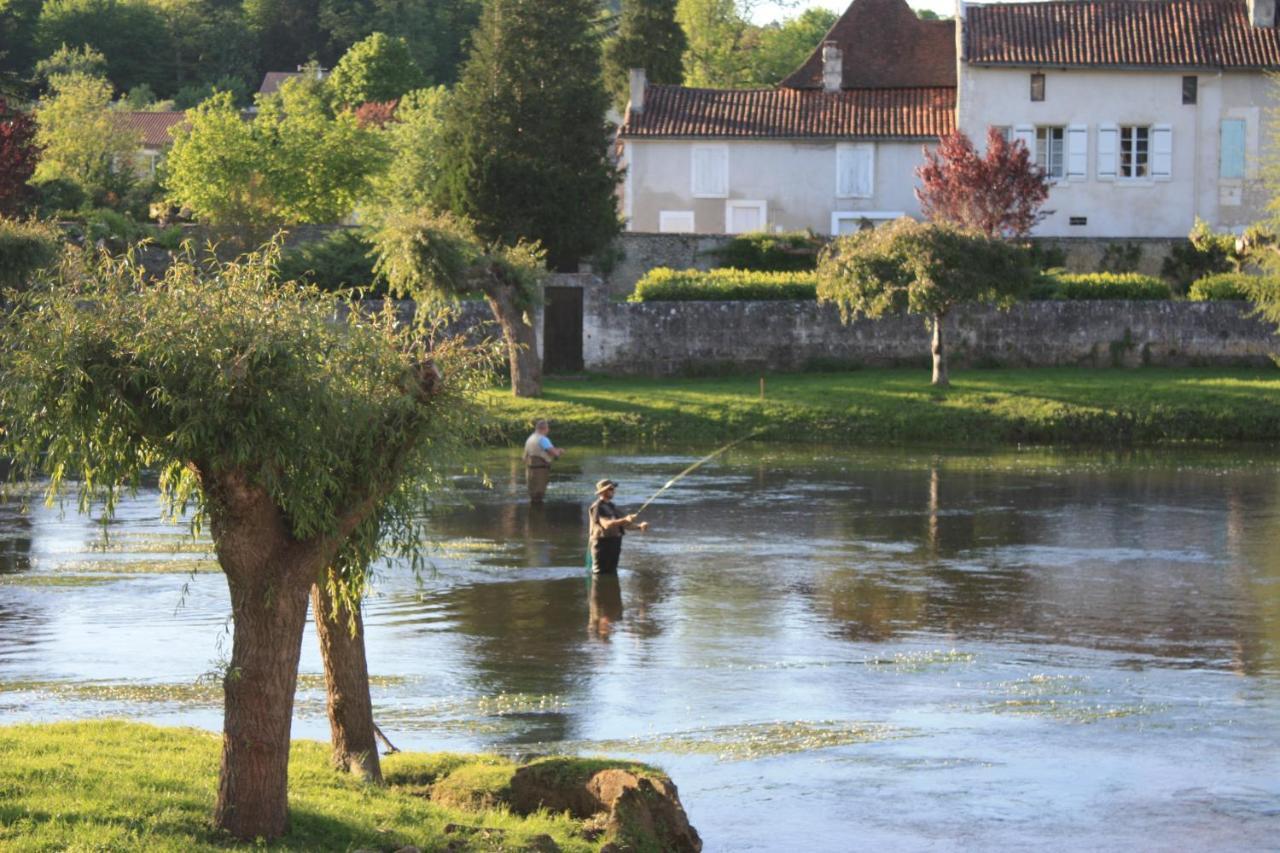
<point>539,453</point>
<point>608,524</point>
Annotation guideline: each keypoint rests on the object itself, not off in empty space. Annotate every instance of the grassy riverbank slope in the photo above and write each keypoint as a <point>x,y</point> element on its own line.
<point>127,786</point>
<point>1146,406</point>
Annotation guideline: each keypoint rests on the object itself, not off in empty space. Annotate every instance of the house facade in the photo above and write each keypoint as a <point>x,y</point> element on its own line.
<point>830,149</point>
<point>1146,114</point>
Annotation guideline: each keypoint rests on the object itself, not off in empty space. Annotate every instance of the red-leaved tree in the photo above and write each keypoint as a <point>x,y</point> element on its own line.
<point>376,113</point>
<point>18,153</point>
<point>998,193</point>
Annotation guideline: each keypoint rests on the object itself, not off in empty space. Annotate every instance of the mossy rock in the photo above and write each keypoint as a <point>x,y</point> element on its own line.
<point>475,786</point>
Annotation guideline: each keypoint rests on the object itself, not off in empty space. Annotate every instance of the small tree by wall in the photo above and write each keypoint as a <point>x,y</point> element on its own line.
<point>309,445</point>
<point>998,193</point>
<point>429,257</point>
<point>921,268</point>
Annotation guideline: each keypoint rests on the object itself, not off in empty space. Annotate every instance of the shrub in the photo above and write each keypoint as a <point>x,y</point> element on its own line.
<point>1205,253</point>
<point>342,260</point>
<point>1121,257</point>
<point>115,230</point>
<point>1223,286</point>
<point>793,251</point>
<point>1044,256</point>
<point>665,284</point>
<point>25,248</point>
<point>59,197</point>
<point>1101,285</point>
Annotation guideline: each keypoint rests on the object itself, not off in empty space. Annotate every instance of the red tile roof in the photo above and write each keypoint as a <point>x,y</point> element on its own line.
<point>885,46</point>
<point>154,128</point>
<point>1100,33</point>
<point>675,111</point>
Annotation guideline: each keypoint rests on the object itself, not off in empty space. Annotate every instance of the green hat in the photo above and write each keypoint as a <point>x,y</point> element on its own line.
<point>605,485</point>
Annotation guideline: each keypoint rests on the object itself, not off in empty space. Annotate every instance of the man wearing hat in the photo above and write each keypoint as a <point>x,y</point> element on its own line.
<point>608,524</point>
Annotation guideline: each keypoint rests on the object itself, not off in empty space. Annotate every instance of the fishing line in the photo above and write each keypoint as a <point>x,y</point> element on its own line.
<point>695,466</point>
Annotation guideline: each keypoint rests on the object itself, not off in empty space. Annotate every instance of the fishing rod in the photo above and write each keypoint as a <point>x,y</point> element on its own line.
<point>695,466</point>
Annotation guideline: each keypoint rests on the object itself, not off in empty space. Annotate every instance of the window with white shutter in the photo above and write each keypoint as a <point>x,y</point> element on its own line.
<point>855,169</point>
<point>1049,154</point>
<point>1108,142</point>
<point>1077,152</point>
<point>1162,152</point>
<point>710,171</point>
<point>675,221</point>
<point>745,217</point>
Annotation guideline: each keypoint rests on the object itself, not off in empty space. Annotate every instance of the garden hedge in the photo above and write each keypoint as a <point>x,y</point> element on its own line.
<point>665,284</point>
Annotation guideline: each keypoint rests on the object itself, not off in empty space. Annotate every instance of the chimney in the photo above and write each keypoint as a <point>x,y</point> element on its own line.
<point>1262,13</point>
<point>638,85</point>
<point>833,65</point>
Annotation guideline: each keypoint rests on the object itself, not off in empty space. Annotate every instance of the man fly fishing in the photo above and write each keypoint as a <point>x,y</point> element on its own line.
<point>608,524</point>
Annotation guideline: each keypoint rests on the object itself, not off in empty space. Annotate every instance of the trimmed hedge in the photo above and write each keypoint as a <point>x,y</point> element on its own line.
<point>792,251</point>
<point>1223,286</point>
<point>667,285</point>
<point>1100,285</point>
<point>26,247</point>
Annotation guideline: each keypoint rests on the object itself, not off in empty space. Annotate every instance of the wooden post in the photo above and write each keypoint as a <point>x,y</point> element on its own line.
<point>761,387</point>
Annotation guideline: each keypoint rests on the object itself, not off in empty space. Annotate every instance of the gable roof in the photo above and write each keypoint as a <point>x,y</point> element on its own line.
<point>155,128</point>
<point>1102,33</point>
<point>675,111</point>
<point>273,80</point>
<point>885,46</point>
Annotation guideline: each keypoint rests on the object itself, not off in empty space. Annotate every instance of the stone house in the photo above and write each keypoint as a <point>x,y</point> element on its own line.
<point>1146,114</point>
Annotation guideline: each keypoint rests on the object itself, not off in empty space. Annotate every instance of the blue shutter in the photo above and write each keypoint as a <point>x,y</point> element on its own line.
<point>1231,161</point>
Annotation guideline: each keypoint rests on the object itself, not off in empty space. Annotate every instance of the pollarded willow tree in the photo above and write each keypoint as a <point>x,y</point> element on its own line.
<point>433,257</point>
<point>309,443</point>
<point>921,268</point>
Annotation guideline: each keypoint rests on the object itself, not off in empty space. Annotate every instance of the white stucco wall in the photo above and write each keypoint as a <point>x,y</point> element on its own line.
<point>796,178</point>
<point>1136,208</point>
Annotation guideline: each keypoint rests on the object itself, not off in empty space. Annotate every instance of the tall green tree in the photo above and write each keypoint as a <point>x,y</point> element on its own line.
<point>648,37</point>
<point>781,48</point>
<point>80,139</point>
<point>377,68</point>
<point>289,33</point>
<point>210,42</point>
<point>310,446</point>
<point>437,32</point>
<point>296,162</point>
<point>718,36</point>
<point>18,48</point>
<point>921,268</point>
<point>412,178</point>
<point>527,153</point>
<point>131,34</point>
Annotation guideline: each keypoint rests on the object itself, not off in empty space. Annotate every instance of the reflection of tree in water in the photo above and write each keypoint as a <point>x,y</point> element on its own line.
<point>15,540</point>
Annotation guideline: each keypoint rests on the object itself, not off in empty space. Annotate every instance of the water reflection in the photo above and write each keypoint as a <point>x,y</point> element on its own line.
<point>606,605</point>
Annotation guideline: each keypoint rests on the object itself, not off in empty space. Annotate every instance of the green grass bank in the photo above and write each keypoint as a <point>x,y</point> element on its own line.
<point>127,786</point>
<point>1144,406</point>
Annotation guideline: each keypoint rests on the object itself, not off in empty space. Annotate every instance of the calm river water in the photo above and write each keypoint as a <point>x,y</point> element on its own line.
<point>828,649</point>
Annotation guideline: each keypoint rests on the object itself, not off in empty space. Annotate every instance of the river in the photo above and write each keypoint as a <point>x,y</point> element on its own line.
<point>828,649</point>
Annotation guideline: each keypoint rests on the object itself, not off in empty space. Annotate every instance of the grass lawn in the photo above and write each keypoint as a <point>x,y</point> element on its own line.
<point>127,786</point>
<point>1145,406</point>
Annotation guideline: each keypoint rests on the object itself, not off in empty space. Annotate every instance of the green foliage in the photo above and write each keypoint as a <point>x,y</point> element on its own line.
<point>59,197</point>
<point>1044,256</point>
<point>130,34</point>
<point>664,284</point>
<point>426,256</point>
<point>128,786</point>
<point>64,61</point>
<point>81,139</point>
<point>765,252</point>
<point>526,154</point>
<point>1204,253</point>
<point>25,249</point>
<point>716,56</point>
<point>1223,286</point>
<point>1121,257</point>
<point>114,231</point>
<point>379,68</point>
<point>648,37</point>
<point>192,95</point>
<point>783,47</point>
<point>341,261</point>
<point>132,374</point>
<point>436,32</point>
<point>295,163</point>
<point>921,268</point>
<point>1104,285</point>
<point>412,178</point>
<point>871,407</point>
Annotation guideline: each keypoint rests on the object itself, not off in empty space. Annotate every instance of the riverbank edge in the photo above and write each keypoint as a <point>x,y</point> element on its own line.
<point>117,784</point>
<point>898,407</point>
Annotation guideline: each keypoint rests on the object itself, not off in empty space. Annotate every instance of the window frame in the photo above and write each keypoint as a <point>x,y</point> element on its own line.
<point>1128,135</point>
<point>1038,86</point>
<point>1190,90</point>
<point>721,148</point>
<point>760,204</point>
<point>845,148</point>
<point>1061,130</point>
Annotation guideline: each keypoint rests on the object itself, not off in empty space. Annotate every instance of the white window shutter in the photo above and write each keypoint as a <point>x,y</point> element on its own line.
<point>710,171</point>
<point>1108,143</point>
<point>1026,134</point>
<point>1077,152</point>
<point>855,170</point>
<point>1162,152</point>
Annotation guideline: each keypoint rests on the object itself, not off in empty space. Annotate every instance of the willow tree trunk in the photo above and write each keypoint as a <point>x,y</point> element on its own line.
<point>269,608</point>
<point>522,341</point>
<point>939,354</point>
<point>269,574</point>
<point>346,681</point>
